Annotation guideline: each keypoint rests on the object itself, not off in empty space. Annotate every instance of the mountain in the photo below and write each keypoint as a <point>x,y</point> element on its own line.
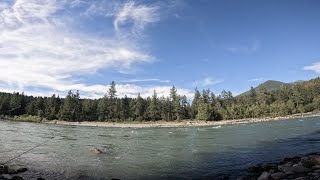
<point>272,85</point>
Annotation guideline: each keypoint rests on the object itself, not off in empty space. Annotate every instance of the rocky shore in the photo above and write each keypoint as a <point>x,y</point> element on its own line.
<point>306,167</point>
<point>8,173</point>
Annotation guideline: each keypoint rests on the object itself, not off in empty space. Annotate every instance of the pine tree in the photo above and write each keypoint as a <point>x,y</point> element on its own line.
<point>195,104</point>
<point>154,111</point>
<point>111,101</point>
<point>71,109</point>
<point>139,108</point>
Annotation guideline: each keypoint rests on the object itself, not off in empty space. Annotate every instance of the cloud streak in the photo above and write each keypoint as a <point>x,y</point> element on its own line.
<point>314,67</point>
<point>206,82</point>
<point>139,15</point>
<point>145,80</point>
<point>255,80</point>
<point>248,49</point>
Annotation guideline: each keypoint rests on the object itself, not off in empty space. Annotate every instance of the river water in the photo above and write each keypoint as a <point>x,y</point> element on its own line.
<point>153,153</point>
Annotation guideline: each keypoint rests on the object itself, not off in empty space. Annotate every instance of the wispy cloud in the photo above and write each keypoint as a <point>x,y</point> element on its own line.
<point>139,15</point>
<point>39,48</point>
<point>207,82</point>
<point>255,79</point>
<point>145,80</point>
<point>248,48</point>
<point>314,67</point>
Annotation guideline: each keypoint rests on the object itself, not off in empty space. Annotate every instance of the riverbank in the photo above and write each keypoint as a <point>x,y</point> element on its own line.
<point>302,167</point>
<point>182,123</point>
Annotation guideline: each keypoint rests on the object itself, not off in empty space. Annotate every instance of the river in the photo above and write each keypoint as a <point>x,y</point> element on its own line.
<point>153,153</point>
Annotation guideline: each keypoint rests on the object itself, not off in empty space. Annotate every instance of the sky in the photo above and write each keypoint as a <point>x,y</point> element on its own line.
<point>53,46</point>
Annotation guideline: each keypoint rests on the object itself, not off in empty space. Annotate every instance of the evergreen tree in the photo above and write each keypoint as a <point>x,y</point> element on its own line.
<point>195,104</point>
<point>154,111</point>
<point>71,109</point>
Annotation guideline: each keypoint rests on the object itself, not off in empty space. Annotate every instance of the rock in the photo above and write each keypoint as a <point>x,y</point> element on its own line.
<point>96,151</point>
<point>22,170</point>
<point>12,171</point>
<point>294,159</point>
<point>2,178</point>
<point>316,167</point>
<point>314,174</point>
<point>291,177</point>
<point>298,168</point>
<point>285,167</point>
<point>289,173</point>
<point>3,169</point>
<point>278,175</point>
<point>16,178</point>
<point>316,170</point>
<point>306,162</point>
<point>40,179</point>
<point>315,159</point>
<point>264,176</point>
<point>254,169</point>
<point>270,166</point>
<point>302,178</point>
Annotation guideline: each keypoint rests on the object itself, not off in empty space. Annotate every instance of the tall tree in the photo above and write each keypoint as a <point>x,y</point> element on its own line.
<point>195,104</point>
<point>154,111</point>
<point>71,109</point>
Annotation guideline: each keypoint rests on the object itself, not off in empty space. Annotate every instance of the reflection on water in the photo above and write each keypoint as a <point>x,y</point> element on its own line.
<point>156,153</point>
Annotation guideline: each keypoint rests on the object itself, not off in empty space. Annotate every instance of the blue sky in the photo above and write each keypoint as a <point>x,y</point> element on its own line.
<point>50,47</point>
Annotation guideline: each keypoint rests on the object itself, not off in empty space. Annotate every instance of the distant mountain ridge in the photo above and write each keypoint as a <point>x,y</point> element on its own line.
<point>271,85</point>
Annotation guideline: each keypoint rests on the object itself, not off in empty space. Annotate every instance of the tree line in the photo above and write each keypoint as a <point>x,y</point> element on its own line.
<point>299,98</point>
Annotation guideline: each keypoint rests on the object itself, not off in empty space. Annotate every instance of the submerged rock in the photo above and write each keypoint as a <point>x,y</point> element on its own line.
<point>96,151</point>
<point>22,170</point>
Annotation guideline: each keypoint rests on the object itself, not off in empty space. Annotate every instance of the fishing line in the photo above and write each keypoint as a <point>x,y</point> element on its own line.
<point>27,151</point>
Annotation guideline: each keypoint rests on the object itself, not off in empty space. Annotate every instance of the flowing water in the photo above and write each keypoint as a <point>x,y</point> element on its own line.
<point>153,153</point>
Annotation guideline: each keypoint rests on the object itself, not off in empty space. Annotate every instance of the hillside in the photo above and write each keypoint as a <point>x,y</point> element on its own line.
<point>271,85</point>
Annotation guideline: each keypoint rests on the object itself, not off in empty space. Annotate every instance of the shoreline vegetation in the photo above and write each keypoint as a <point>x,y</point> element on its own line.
<point>159,124</point>
<point>204,109</point>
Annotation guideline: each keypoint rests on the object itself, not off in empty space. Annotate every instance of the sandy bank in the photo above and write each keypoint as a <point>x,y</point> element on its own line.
<point>183,123</point>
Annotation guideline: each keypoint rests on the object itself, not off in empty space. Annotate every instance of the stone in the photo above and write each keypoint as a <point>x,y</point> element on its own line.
<point>22,170</point>
<point>270,166</point>
<point>96,151</point>
<point>40,179</point>
<point>315,159</point>
<point>255,169</point>
<point>16,178</point>
<point>11,171</point>
<point>298,168</point>
<point>316,170</point>
<point>301,178</point>
<point>315,174</point>
<point>285,167</point>
<point>278,175</point>
<point>306,162</point>
<point>289,173</point>
<point>2,178</point>
<point>316,167</point>
<point>264,176</point>
<point>3,169</point>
